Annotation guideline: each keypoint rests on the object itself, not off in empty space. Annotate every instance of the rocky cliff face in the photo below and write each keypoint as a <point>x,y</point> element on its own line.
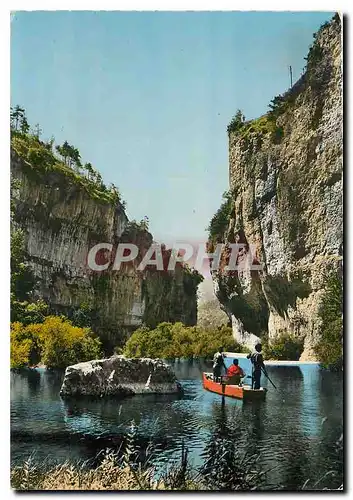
<point>61,223</point>
<point>285,174</point>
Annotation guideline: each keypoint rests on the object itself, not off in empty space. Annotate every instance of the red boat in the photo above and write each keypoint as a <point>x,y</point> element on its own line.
<point>244,392</point>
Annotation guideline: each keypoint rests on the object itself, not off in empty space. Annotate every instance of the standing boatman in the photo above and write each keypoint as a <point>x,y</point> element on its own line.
<point>218,364</point>
<point>257,361</point>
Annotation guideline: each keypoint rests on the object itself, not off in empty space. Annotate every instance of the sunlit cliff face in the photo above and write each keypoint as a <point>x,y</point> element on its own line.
<point>286,187</point>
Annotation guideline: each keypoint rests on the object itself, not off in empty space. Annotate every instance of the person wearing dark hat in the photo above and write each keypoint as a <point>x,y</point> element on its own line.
<point>218,364</point>
<point>257,361</point>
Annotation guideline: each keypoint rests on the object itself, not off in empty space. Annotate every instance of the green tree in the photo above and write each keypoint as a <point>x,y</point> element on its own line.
<point>220,221</point>
<point>37,131</point>
<point>285,347</point>
<point>16,116</point>
<point>236,122</point>
<point>89,169</point>
<point>24,125</point>
<point>69,154</point>
<point>176,340</point>
<point>40,157</point>
<point>144,223</point>
<point>29,312</point>
<point>49,144</point>
<point>330,347</point>
<point>83,316</point>
<point>22,280</point>
<point>63,151</point>
<point>55,342</point>
<point>75,157</point>
<point>277,105</point>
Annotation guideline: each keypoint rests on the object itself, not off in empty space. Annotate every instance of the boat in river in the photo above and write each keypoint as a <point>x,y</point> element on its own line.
<point>244,391</point>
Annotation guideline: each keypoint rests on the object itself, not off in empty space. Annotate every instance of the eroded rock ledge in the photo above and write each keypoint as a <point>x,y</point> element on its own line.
<point>119,376</point>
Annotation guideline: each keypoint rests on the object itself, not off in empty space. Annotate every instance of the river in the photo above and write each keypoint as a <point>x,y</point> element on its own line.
<point>296,430</point>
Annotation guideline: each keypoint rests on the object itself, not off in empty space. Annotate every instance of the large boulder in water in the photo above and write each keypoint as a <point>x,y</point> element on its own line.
<point>119,376</point>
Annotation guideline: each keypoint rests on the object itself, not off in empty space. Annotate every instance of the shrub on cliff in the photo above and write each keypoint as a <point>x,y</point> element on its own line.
<point>64,159</point>
<point>285,347</point>
<point>330,347</point>
<point>220,221</point>
<point>22,279</point>
<point>28,312</point>
<point>55,342</point>
<point>236,122</point>
<point>169,340</point>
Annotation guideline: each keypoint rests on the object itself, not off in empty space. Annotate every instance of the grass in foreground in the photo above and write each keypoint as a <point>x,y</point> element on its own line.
<point>225,468</point>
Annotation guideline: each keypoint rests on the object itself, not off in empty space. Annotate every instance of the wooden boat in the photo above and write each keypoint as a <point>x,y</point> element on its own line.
<point>244,392</point>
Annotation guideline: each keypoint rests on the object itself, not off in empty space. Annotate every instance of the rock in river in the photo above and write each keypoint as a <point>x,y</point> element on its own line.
<point>119,376</point>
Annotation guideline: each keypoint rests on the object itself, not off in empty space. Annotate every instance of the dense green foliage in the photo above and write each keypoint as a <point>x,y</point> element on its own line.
<point>22,280</point>
<point>220,221</point>
<point>83,316</point>
<point>169,340</point>
<point>29,312</point>
<point>55,343</point>
<point>264,125</point>
<point>236,122</point>
<point>330,347</point>
<point>285,347</point>
<point>64,159</point>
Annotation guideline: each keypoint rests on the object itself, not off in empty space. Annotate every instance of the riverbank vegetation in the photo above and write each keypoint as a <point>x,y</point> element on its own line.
<point>56,343</point>
<point>170,340</point>
<point>330,347</point>
<point>35,336</point>
<point>224,468</point>
<point>284,348</point>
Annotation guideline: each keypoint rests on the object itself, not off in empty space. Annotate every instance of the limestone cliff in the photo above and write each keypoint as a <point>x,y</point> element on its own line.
<point>285,174</point>
<point>61,223</point>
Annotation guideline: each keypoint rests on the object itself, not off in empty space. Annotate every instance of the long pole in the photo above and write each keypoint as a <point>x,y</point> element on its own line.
<point>268,378</point>
<point>291,76</point>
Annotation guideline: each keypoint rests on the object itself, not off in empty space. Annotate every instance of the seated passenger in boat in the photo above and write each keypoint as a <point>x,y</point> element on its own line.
<point>234,373</point>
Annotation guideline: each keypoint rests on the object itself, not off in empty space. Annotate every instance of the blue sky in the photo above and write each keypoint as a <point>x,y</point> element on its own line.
<point>147,96</point>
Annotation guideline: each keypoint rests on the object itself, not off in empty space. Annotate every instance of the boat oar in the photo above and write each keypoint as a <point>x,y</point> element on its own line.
<point>263,371</point>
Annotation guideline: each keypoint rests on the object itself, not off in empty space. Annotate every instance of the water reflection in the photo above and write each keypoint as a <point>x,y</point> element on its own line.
<point>287,429</point>
<point>222,468</point>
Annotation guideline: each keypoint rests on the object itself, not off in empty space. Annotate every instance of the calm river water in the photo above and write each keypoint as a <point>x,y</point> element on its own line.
<point>296,430</point>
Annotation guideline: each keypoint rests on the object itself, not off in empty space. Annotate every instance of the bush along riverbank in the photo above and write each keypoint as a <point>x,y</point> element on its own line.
<point>55,343</point>
<point>170,341</point>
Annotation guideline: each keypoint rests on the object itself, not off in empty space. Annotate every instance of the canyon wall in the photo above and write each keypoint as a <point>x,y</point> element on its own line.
<point>285,175</point>
<point>61,223</point>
